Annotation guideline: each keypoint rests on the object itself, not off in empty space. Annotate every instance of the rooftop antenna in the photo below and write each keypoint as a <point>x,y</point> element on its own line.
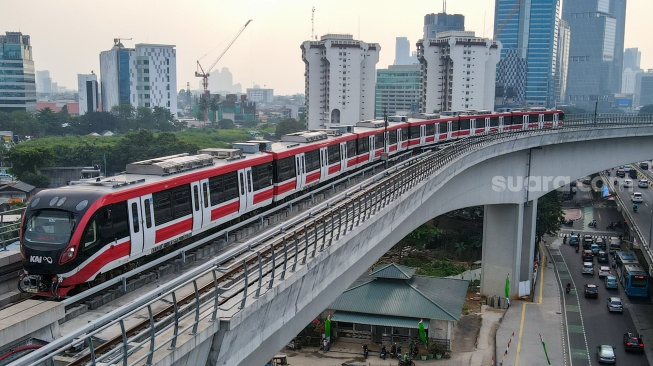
<point>444,6</point>
<point>313,24</point>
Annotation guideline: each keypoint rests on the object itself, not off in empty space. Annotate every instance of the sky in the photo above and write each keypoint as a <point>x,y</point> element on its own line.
<point>67,36</point>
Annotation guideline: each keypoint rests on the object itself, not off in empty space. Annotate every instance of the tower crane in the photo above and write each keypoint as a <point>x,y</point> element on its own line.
<point>200,73</point>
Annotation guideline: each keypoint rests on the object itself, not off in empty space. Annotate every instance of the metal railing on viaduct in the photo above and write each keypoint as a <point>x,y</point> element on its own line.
<point>198,301</point>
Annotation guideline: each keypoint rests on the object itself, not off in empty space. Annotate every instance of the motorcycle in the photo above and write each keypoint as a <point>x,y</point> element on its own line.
<point>611,226</point>
<point>568,289</point>
<point>592,224</point>
<point>382,352</point>
<point>406,363</point>
<point>294,346</point>
<point>366,351</point>
<point>577,248</point>
<point>635,208</point>
<point>398,354</point>
<point>393,350</point>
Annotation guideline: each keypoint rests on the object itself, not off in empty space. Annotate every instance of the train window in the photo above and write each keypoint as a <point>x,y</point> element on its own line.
<point>334,154</point>
<point>49,226</point>
<point>464,124</point>
<point>378,141</point>
<point>90,235</point>
<point>392,138</point>
<point>548,117</point>
<point>135,219</point>
<point>494,121</point>
<point>120,220</point>
<point>205,194</point>
<point>351,148</point>
<point>148,213</point>
<point>284,169</point>
<point>196,197</point>
<point>404,134</point>
<point>429,130</point>
<point>312,159</point>
<point>242,184</point>
<point>230,187</point>
<point>262,175</point>
<point>363,145</point>
<point>162,207</point>
<point>181,201</point>
<point>414,132</point>
<point>454,126</point>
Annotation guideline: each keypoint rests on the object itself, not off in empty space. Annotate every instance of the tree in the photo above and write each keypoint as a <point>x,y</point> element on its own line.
<point>647,109</point>
<point>419,238</point>
<point>95,122</point>
<point>144,118</point>
<point>226,124</point>
<point>163,119</point>
<point>549,214</point>
<point>124,114</point>
<point>289,125</point>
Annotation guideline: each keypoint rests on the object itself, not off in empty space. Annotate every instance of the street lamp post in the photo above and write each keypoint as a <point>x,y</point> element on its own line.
<point>384,155</point>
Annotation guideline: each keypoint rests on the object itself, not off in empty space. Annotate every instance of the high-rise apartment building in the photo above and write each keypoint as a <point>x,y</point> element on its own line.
<point>17,79</point>
<point>442,22</point>
<point>397,90</point>
<point>529,34</point>
<point>260,95</point>
<point>88,93</point>
<point>595,51</point>
<point>43,82</point>
<point>143,76</point>
<point>643,89</point>
<point>403,55</point>
<point>468,85</point>
<point>339,73</point>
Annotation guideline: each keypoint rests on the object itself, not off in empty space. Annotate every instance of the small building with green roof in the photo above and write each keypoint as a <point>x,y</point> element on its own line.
<point>386,305</point>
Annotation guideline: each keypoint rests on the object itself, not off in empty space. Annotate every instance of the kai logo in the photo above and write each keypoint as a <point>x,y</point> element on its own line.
<point>40,259</point>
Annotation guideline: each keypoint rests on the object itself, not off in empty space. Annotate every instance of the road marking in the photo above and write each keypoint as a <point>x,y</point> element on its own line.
<point>523,312</point>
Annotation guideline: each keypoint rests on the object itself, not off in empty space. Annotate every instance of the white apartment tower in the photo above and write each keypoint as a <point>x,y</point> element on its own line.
<point>340,80</point>
<point>144,76</point>
<point>88,93</point>
<point>458,72</point>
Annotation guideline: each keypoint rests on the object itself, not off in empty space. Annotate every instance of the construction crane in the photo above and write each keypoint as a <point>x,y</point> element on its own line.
<point>200,73</point>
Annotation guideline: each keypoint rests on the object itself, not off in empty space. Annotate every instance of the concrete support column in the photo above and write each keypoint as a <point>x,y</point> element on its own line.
<point>508,247</point>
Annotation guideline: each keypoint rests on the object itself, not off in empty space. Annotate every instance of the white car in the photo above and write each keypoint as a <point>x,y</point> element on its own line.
<point>628,183</point>
<point>636,197</point>
<point>606,354</point>
<point>604,271</point>
<point>643,183</point>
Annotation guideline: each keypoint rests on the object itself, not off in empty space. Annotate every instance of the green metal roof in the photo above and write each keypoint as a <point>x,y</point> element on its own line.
<point>419,297</point>
<point>383,320</point>
<point>392,270</point>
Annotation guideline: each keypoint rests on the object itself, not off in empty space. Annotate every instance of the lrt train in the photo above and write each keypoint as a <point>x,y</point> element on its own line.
<point>94,227</point>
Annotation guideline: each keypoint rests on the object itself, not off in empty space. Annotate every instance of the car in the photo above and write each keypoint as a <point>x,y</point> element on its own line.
<point>644,165</point>
<point>604,271</point>
<point>637,197</point>
<point>602,257</point>
<point>574,240</point>
<point>601,243</point>
<point>643,183</point>
<point>591,290</point>
<point>587,256</point>
<point>621,173</point>
<point>615,243</point>
<point>588,268</point>
<point>611,282</point>
<point>632,173</point>
<point>595,248</point>
<point>626,168</point>
<point>606,354</point>
<point>615,305</point>
<point>633,342</point>
<point>627,183</point>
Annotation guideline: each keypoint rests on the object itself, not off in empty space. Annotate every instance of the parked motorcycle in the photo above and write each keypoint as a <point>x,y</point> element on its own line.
<point>382,352</point>
<point>393,350</point>
<point>366,351</point>
<point>294,346</point>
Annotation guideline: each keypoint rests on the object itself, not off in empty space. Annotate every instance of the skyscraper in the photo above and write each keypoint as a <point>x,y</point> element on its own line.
<point>595,51</point>
<point>397,90</point>
<point>340,78</point>
<point>442,22</point>
<point>528,31</point>
<point>402,51</point>
<point>88,93</point>
<point>631,69</point>
<point>632,58</point>
<point>468,85</point>
<point>18,86</point>
<point>144,76</point>
<point>43,82</point>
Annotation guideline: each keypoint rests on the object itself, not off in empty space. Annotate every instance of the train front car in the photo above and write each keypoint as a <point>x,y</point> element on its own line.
<point>49,240</point>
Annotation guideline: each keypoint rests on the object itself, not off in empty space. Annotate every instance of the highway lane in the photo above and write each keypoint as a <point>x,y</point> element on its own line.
<point>598,325</point>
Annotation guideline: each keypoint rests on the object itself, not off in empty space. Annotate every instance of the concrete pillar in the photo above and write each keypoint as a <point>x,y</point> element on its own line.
<point>528,243</point>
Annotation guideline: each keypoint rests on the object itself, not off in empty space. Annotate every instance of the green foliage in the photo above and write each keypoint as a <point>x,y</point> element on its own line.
<point>289,125</point>
<point>226,124</point>
<point>647,109</point>
<point>568,109</point>
<point>37,180</point>
<point>436,268</point>
<point>549,213</point>
<point>422,236</point>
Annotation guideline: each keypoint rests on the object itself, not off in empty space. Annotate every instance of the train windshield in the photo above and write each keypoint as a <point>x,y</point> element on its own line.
<point>49,227</point>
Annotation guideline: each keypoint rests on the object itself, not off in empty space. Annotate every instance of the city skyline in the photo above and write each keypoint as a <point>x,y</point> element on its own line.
<point>67,37</point>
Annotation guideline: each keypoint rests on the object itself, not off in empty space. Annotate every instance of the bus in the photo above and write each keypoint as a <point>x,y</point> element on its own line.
<point>622,258</point>
<point>634,280</point>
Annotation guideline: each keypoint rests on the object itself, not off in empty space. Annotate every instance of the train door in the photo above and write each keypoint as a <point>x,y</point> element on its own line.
<point>242,206</point>
<point>324,163</point>
<point>343,156</point>
<point>422,135</point>
<point>555,120</point>
<point>472,126</point>
<point>540,121</point>
<point>524,122</point>
<point>487,124</point>
<point>400,138</point>
<point>301,171</point>
<point>200,204</point>
<point>141,223</point>
<point>436,130</point>
<point>249,188</point>
<point>372,152</point>
<point>449,128</point>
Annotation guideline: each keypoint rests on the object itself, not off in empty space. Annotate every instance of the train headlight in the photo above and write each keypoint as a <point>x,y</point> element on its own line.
<point>67,255</point>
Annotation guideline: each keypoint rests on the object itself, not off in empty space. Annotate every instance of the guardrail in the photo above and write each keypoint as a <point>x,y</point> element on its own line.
<point>268,258</point>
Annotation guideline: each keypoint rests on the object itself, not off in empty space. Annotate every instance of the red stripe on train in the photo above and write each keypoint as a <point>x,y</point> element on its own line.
<point>111,253</point>
<point>168,232</point>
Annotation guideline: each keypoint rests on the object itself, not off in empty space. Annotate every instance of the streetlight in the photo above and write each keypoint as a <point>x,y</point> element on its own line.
<point>384,154</point>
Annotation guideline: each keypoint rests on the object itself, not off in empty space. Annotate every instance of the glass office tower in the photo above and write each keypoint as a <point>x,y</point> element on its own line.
<point>17,77</point>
